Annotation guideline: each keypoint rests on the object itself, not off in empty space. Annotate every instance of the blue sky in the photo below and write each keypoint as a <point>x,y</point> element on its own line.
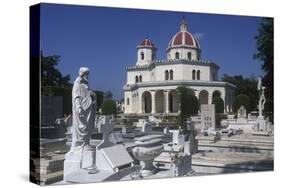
<point>105,40</point>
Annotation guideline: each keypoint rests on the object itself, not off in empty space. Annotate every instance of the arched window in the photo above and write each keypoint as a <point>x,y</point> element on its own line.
<point>140,78</point>
<point>171,75</point>
<point>198,75</point>
<point>166,75</point>
<point>189,55</point>
<point>142,56</point>
<point>137,79</point>
<point>177,55</point>
<point>193,74</point>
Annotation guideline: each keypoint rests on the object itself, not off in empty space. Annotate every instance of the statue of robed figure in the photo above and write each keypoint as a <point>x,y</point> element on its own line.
<point>81,154</point>
<point>83,110</point>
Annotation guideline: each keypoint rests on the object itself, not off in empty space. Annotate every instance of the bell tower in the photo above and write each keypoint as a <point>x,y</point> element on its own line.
<point>146,52</point>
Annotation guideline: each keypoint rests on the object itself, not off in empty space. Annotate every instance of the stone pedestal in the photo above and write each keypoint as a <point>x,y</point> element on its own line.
<point>177,163</point>
<point>182,166</point>
<point>77,161</point>
<point>147,148</point>
<point>147,168</point>
<point>261,124</point>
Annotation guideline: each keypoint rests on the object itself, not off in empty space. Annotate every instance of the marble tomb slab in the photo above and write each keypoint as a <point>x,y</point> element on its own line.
<point>117,156</point>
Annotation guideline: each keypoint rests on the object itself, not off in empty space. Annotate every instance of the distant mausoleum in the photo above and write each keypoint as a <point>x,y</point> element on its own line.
<point>151,83</point>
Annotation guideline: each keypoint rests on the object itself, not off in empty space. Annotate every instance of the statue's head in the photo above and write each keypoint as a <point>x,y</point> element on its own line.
<point>84,72</point>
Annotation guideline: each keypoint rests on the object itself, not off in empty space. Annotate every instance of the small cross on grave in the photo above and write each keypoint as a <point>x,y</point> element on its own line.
<point>105,127</point>
<point>175,136</point>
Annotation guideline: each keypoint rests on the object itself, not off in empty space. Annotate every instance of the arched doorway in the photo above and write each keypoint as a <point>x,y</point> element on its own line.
<point>159,101</point>
<point>203,97</point>
<point>146,102</point>
<point>173,101</point>
<point>216,94</point>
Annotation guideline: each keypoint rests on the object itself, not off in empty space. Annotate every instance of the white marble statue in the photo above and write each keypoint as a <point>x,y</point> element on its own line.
<point>83,110</point>
<point>262,99</point>
<point>81,157</point>
<point>259,83</point>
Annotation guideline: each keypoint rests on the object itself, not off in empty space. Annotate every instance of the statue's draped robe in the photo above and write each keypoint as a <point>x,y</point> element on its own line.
<point>83,125</point>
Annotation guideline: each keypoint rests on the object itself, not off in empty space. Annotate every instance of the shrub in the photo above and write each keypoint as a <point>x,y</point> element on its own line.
<point>219,117</point>
<point>109,107</point>
<point>188,104</point>
<point>241,100</point>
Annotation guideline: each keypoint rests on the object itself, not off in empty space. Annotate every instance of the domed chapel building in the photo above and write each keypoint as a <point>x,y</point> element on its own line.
<point>152,83</point>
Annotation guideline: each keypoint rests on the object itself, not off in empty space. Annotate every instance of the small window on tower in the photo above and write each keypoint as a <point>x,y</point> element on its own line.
<point>166,75</point>
<point>137,79</point>
<point>128,101</point>
<point>189,55</point>
<point>177,55</point>
<point>198,75</point>
<point>193,74</point>
<point>140,78</point>
<point>171,75</point>
<point>142,56</point>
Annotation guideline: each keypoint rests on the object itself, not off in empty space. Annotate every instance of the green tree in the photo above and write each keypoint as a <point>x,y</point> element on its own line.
<point>100,97</point>
<point>109,107</point>
<point>241,100</point>
<point>265,53</point>
<point>247,86</point>
<point>108,95</point>
<point>50,75</point>
<point>219,104</point>
<point>53,83</point>
<point>188,104</point>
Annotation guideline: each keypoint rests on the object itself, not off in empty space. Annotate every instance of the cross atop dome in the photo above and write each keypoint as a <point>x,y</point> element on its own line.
<point>183,24</point>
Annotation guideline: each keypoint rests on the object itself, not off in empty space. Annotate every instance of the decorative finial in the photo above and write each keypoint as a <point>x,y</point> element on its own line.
<point>183,24</point>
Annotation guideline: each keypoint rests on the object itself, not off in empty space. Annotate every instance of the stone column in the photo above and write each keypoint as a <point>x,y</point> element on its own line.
<point>210,97</point>
<point>167,102</point>
<point>231,101</point>
<point>197,94</point>
<point>225,103</point>
<point>152,102</point>
<point>140,103</point>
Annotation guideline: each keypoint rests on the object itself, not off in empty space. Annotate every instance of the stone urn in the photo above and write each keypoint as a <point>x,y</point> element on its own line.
<point>147,148</point>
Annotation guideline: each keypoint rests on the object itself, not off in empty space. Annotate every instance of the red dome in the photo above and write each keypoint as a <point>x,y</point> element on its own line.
<point>183,38</point>
<point>146,43</point>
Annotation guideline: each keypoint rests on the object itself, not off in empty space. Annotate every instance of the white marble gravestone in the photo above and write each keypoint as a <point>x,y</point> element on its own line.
<point>146,126</point>
<point>242,115</point>
<point>177,143</point>
<point>208,116</point>
<point>113,158</point>
<point>191,145</point>
<point>242,112</point>
<point>110,157</point>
